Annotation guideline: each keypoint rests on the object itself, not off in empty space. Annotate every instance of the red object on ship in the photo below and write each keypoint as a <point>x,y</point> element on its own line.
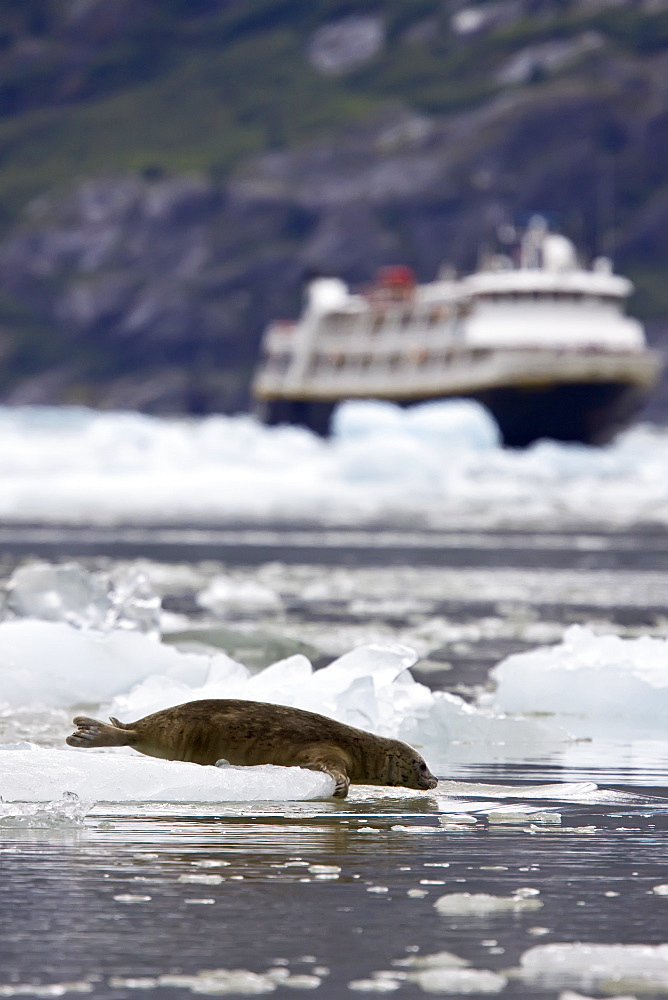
<point>397,276</point>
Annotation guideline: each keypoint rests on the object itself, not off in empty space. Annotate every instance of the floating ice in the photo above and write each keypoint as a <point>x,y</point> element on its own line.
<point>69,810</point>
<point>517,814</point>
<point>459,981</point>
<point>613,684</point>
<point>442,460</point>
<point>70,593</point>
<point>598,967</point>
<point>438,960</point>
<point>54,665</point>
<point>569,995</point>
<point>210,982</point>
<point>32,774</point>
<point>225,594</point>
<point>374,985</point>
<point>372,440</point>
<point>442,973</point>
<point>582,792</point>
<point>467,904</point>
<point>48,989</point>
<point>198,879</point>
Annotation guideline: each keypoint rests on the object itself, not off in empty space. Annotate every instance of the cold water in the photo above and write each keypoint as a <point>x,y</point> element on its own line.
<point>526,659</point>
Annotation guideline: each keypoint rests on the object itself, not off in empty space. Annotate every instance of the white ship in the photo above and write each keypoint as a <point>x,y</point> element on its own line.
<point>543,342</point>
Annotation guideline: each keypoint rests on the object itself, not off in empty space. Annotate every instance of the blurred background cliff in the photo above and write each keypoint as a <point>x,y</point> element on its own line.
<point>172,170</point>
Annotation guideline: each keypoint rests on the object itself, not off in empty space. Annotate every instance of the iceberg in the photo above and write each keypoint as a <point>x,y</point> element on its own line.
<point>594,683</point>
<point>129,675</point>
<point>50,670</point>
<point>52,664</point>
<point>441,460</point>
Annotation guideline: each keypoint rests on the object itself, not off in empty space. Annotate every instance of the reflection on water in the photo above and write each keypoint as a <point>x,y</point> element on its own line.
<point>338,893</point>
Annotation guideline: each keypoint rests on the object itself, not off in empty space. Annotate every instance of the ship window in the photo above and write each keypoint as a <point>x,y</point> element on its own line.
<point>278,362</point>
<point>419,356</point>
<point>378,321</point>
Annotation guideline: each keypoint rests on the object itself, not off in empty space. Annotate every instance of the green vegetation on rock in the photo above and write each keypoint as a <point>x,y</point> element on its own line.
<point>254,161</point>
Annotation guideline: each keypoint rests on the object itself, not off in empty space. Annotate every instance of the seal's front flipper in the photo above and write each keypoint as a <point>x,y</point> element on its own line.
<point>341,782</point>
<point>332,763</point>
<point>93,733</point>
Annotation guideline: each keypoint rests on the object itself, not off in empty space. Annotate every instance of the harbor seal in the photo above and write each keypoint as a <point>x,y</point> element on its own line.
<point>252,732</point>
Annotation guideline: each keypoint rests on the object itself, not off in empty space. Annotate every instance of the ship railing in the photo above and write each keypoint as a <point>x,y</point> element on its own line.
<point>417,366</point>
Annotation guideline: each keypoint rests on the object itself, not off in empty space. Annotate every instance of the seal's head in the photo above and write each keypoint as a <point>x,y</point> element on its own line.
<point>404,766</point>
<point>425,778</point>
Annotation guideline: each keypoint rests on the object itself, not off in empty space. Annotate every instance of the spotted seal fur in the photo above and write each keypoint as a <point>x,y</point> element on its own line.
<point>251,732</point>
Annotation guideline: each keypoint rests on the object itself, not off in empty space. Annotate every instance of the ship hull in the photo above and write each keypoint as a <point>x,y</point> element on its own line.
<point>581,412</point>
<point>586,412</point>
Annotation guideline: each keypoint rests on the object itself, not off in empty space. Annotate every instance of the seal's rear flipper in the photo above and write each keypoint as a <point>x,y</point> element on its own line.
<point>93,733</point>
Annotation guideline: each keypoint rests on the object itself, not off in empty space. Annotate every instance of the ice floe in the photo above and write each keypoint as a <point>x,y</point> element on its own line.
<point>109,661</point>
<point>52,664</point>
<point>442,459</point>
<point>120,599</point>
<point>468,904</point>
<point>29,773</point>
<point>593,682</point>
<point>68,810</point>
<point>599,967</point>
<point>441,973</point>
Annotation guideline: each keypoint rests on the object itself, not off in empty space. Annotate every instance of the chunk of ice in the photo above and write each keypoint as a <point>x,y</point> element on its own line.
<point>438,960</point>
<point>68,810</point>
<point>616,682</point>
<point>46,989</point>
<point>516,815</point>
<point>374,985</point>
<point>595,966</point>
<point>225,594</point>
<point>84,599</point>
<point>459,981</point>
<point>70,464</point>
<point>31,774</point>
<point>51,663</point>
<point>219,982</point>
<point>467,904</point>
<point>570,995</point>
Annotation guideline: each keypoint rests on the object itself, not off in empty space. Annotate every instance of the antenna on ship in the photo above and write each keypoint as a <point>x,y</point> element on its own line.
<point>531,250</point>
<point>605,208</point>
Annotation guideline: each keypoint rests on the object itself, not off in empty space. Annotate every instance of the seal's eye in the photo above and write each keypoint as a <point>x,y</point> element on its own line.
<point>423,767</point>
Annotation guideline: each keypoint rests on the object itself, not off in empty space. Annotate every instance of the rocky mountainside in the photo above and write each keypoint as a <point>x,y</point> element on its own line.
<point>172,170</point>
